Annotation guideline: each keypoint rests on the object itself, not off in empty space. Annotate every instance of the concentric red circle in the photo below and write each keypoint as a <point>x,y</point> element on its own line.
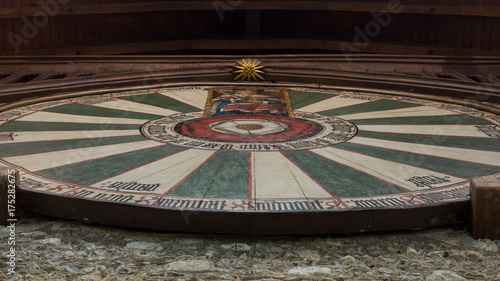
<point>294,128</point>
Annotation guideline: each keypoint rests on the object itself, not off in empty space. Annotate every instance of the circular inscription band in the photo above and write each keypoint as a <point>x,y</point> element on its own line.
<point>255,132</point>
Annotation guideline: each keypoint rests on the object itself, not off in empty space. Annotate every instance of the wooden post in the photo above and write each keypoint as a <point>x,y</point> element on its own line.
<point>485,196</point>
<point>9,181</point>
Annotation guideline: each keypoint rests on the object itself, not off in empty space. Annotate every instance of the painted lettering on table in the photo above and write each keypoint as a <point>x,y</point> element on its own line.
<point>376,203</point>
<point>259,133</point>
<point>492,131</point>
<point>185,204</point>
<point>6,136</point>
<point>30,183</point>
<point>462,109</point>
<point>241,205</point>
<point>428,181</point>
<point>13,114</point>
<point>361,96</point>
<point>132,186</point>
<point>446,195</point>
<point>417,101</point>
<point>494,119</point>
<point>319,90</point>
<point>186,88</point>
<point>81,193</point>
<point>45,105</point>
<point>113,197</point>
<point>94,100</point>
<point>287,206</point>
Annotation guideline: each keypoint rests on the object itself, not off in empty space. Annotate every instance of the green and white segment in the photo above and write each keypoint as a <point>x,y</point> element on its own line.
<point>92,147</point>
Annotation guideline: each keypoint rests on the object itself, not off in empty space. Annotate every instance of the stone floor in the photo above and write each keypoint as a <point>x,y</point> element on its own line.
<point>55,249</point>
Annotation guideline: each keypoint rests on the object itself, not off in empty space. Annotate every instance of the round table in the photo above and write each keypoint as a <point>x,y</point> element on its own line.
<point>250,159</point>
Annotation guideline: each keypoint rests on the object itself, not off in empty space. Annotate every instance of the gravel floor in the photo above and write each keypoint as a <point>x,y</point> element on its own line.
<point>54,249</point>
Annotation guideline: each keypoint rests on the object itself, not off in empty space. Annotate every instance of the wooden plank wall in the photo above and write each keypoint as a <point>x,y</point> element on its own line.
<point>62,34</point>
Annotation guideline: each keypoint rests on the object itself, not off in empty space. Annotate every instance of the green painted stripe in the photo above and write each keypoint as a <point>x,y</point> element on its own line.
<point>91,171</point>
<point>88,110</point>
<point>490,144</point>
<point>300,99</point>
<point>340,180</point>
<point>19,126</point>
<point>162,101</point>
<point>225,175</point>
<point>16,149</point>
<point>443,165</point>
<point>425,120</point>
<point>369,107</point>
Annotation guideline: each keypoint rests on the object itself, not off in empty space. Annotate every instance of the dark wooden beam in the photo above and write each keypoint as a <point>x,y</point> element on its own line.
<point>262,44</point>
<point>348,6</point>
<point>12,78</point>
<point>321,69</point>
<point>253,23</point>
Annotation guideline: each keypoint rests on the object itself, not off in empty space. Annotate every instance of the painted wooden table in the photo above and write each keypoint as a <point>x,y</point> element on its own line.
<point>250,159</point>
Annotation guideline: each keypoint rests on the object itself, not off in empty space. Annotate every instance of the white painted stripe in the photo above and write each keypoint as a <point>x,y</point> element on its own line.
<point>73,118</point>
<point>438,130</point>
<point>405,176</point>
<point>463,154</point>
<point>332,103</point>
<point>252,175</point>
<point>401,112</point>
<point>277,177</point>
<point>20,137</point>
<point>195,98</point>
<point>136,107</point>
<point>167,172</point>
<point>48,160</point>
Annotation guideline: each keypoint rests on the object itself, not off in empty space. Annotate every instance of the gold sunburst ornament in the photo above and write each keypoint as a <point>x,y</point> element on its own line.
<point>248,69</point>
